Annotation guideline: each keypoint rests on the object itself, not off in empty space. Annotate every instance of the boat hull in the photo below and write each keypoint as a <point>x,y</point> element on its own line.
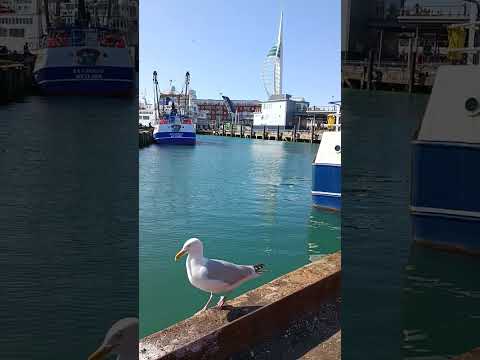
<point>99,80</point>
<point>175,134</point>
<point>445,201</point>
<point>175,138</point>
<point>326,186</point>
<point>84,70</point>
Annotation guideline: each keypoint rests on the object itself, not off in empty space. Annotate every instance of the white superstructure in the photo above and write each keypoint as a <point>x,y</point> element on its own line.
<point>146,113</point>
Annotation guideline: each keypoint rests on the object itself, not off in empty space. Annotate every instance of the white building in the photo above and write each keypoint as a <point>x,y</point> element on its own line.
<point>20,23</point>
<point>280,110</point>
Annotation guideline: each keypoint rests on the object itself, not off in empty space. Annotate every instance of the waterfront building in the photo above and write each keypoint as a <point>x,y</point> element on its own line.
<point>213,113</point>
<point>20,23</point>
<point>280,110</point>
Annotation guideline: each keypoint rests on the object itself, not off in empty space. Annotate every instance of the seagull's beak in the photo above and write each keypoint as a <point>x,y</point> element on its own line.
<point>180,254</point>
<point>101,352</point>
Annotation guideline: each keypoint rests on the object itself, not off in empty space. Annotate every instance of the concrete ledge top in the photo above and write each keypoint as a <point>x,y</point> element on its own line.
<point>204,325</point>
<point>471,355</point>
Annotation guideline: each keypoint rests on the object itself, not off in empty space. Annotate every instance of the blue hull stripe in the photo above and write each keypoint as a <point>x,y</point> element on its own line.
<point>179,141</point>
<point>446,177</point>
<point>326,178</point>
<point>186,138</point>
<point>124,73</point>
<point>86,88</point>
<point>169,135</point>
<point>445,201</point>
<point>103,80</point>
<point>326,186</point>
<point>447,232</point>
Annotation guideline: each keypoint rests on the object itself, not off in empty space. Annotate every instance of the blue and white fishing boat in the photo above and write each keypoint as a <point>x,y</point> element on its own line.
<point>84,59</point>
<point>445,196</point>
<point>327,166</point>
<point>173,127</point>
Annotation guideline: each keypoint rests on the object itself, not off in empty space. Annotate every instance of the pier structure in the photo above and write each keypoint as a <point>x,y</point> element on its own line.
<point>306,125</point>
<point>400,47</point>
<point>145,137</point>
<point>294,316</point>
<point>15,79</point>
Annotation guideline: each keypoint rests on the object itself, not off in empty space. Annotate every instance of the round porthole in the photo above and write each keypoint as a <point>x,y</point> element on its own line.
<point>338,148</point>
<point>471,104</point>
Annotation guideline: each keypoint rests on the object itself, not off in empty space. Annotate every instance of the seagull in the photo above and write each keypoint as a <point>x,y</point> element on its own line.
<point>214,276</point>
<point>121,340</point>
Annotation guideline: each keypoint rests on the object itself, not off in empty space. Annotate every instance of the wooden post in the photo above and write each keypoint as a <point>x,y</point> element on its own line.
<point>380,48</point>
<point>312,131</point>
<point>223,129</point>
<point>264,131</point>
<point>294,133</point>
<point>411,65</point>
<point>241,130</point>
<point>370,70</point>
<point>278,132</point>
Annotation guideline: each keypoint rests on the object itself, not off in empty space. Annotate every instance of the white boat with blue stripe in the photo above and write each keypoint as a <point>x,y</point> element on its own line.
<point>83,58</point>
<point>327,167</point>
<point>173,128</point>
<point>445,196</point>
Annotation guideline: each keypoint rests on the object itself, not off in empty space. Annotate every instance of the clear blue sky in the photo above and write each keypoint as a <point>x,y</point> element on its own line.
<point>223,44</point>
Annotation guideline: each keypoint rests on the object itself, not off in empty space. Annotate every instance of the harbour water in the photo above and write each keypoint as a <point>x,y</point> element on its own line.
<point>248,200</point>
<point>395,295</point>
<point>68,219</point>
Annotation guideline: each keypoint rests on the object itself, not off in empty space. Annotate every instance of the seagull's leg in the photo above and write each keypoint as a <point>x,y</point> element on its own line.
<point>221,302</point>
<point>206,305</point>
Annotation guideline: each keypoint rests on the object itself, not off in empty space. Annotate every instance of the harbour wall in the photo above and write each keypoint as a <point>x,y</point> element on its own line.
<point>15,81</point>
<point>145,137</point>
<point>311,136</point>
<point>294,316</point>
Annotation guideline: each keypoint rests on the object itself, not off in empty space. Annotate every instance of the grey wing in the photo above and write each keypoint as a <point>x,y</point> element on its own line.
<point>227,272</point>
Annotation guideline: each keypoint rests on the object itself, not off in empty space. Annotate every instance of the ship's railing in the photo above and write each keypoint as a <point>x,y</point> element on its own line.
<point>322,109</point>
<point>73,37</point>
<point>436,10</point>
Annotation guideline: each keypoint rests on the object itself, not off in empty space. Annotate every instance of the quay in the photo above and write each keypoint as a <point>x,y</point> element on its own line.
<point>145,137</point>
<point>249,132</point>
<point>471,355</point>
<point>294,316</point>
<point>15,80</point>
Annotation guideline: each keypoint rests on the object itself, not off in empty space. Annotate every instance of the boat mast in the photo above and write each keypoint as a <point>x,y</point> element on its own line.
<point>81,12</point>
<point>47,15</point>
<point>187,82</point>
<point>109,12</point>
<point>156,105</point>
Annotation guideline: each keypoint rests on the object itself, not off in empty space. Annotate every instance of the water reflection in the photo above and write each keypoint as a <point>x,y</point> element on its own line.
<point>441,304</point>
<point>324,233</point>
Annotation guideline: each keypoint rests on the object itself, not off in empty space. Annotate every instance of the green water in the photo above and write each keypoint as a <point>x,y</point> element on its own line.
<point>249,202</point>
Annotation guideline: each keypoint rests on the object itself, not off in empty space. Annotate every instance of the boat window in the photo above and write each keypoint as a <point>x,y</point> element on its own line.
<point>471,104</point>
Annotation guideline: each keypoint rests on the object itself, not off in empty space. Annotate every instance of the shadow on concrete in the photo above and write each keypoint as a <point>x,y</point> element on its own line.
<point>301,338</point>
<point>237,312</point>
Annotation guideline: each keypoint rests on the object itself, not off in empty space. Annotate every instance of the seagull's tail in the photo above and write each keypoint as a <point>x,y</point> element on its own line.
<point>259,268</point>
